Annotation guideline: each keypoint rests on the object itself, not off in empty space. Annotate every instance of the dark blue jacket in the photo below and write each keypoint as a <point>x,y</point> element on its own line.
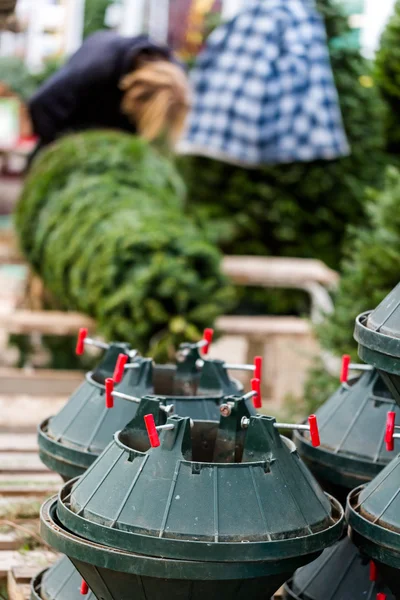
<point>84,94</point>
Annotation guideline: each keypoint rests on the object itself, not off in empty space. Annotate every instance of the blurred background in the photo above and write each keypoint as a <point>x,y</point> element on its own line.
<point>171,166</point>
<point>49,28</point>
<point>287,233</point>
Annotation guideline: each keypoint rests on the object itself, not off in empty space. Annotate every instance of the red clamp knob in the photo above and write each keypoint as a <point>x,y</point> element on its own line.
<point>390,427</point>
<point>256,387</point>
<point>258,367</point>
<point>109,393</point>
<point>381,596</point>
<point>120,367</point>
<point>344,374</point>
<point>314,432</point>
<point>80,343</point>
<point>373,572</point>
<point>84,588</point>
<point>152,431</point>
<point>208,335</point>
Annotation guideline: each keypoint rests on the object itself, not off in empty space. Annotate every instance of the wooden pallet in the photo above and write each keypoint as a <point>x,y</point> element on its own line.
<point>24,479</point>
<point>17,569</point>
<point>24,484</point>
<point>39,382</point>
<point>19,456</point>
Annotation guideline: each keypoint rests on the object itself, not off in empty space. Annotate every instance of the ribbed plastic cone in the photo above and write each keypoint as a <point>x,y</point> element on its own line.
<point>373,513</point>
<point>340,573</point>
<point>60,582</point>
<point>227,512</point>
<point>352,426</point>
<point>378,337</point>
<point>70,441</point>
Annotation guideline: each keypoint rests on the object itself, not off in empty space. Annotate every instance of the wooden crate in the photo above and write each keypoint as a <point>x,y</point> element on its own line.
<point>19,568</point>
<point>24,484</point>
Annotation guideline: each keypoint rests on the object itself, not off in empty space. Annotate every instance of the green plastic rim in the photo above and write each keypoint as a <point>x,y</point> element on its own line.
<point>35,586</point>
<point>289,593</point>
<point>102,556</point>
<point>380,543</point>
<point>339,469</point>
<point>201,550</point>
<point>375,348</point>
<point>68,462</point>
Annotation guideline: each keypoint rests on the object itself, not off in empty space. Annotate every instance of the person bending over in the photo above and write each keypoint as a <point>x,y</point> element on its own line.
<point>113,82</point>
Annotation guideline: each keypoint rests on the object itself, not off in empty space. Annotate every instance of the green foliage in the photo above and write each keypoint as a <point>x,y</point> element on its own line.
<point>95,11</point>
<point>55,352</point>
<point>298,209</point>
<point>370,269</point>
<point>16,76</point>
<point>388,76</point>
<point>336,22</point>
<point>50,67</point>
<point>101,220</point>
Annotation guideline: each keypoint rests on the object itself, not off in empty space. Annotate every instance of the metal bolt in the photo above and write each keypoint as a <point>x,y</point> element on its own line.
<point>225,410</point>
<point>245,422</point>
<point>181,355</point>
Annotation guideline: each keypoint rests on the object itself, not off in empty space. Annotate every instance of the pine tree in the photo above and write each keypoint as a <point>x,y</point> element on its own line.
<point>370,268</point>
<point>101,220</point>
<point>95,12</point>
<point>15,75</point>
<point>388,77</point>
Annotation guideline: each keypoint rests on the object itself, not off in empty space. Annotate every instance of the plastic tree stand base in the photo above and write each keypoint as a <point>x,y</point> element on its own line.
<point>60,582</point>
<point>351,424</point>
<point>340,573</point>
<point>227,510</point>
<point>253,582</point>
<point>373,515</point>
<point>378,335</point>
<point>70,441</point>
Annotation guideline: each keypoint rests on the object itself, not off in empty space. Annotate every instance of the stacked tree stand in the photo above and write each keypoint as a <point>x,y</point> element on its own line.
<point>177,487</point>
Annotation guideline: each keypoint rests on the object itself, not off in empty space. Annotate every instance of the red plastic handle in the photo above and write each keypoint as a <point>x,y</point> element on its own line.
<point>109,393</point>
<point>84,588</point>
<point>120,367</point>
<point>152,431</point>
<point>80,343</point>
<point>258,367</point>
<point>373,572</point>
<point>390,425</point>
<point>208,335</point>
<point>256,387</point>
<point>344,374</point>
<point>314,431</point>
<point>381,596</point>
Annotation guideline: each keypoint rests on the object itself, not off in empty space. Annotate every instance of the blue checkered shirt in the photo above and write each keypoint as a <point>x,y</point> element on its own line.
<point>264,91</point>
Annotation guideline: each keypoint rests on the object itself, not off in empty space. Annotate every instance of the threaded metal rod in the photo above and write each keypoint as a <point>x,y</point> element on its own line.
<point>97,343</point>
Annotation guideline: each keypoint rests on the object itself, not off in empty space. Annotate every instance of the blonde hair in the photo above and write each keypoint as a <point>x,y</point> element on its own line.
<point>156,99</point>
